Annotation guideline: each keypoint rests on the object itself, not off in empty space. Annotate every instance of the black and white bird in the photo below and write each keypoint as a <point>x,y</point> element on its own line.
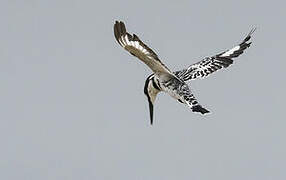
<point>174,83</point>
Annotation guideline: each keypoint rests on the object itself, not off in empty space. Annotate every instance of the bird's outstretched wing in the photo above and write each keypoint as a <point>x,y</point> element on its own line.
<point>209,65</point>
<point>137,48</point>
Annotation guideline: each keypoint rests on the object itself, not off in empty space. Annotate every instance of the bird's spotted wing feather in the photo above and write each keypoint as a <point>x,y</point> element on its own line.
<point>209,65</point>
<point>137,48</point>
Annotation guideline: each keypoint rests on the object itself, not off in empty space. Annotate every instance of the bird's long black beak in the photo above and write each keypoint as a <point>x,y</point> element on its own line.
<point>151,111</point>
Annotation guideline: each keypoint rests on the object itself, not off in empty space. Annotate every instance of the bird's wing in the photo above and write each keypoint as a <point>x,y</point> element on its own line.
<point>209,65</point>
<point>137,48</point>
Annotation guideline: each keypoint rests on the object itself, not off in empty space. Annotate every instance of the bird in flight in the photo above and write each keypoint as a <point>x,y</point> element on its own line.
<point>174,83</point>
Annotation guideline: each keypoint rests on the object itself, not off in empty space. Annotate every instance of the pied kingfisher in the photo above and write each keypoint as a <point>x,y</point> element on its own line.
<point>174,82</point>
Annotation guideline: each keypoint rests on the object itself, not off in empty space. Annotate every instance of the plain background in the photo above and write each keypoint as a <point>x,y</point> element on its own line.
<point>72,103</point>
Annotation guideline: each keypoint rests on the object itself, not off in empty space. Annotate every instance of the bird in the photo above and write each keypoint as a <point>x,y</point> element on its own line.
<point>175,83</point>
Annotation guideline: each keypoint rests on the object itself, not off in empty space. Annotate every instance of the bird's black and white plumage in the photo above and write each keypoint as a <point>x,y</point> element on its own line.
<point>211,64</point>
<point>174,83</point>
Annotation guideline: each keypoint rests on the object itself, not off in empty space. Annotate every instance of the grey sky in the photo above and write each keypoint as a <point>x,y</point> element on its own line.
<point>72,103</point>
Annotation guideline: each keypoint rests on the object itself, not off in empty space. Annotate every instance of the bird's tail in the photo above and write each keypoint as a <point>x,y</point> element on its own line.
<point>192,102</point>
<point>199,108</point>
<point>195,106</point>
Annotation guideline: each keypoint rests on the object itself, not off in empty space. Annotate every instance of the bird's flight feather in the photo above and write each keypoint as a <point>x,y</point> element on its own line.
<point>137,48</point>
<point>211,64</point>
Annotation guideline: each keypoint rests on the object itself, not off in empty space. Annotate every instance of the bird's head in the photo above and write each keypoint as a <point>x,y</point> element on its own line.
<point>151,90</point>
